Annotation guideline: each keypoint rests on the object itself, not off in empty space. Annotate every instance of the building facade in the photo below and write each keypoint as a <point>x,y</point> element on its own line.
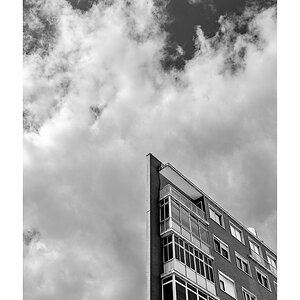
<point>198,251</point>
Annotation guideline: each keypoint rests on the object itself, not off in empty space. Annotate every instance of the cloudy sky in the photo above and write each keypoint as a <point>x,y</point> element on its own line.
<point>107,82</point>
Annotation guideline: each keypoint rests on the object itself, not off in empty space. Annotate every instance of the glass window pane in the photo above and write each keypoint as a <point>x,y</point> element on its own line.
<point>191,295</point>
<point>170,251</point>
<point>175,212</point>
<point>176,251</point>
<point>204,234</point>
<point>217,246</point>
<point>167,291</point>
<point>162,213</point>
<point>185,219</point>
<point>194,225</point>
<point>180,292</point>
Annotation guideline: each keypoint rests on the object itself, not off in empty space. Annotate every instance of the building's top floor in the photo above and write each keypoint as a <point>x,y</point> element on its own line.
<point>210,210</point>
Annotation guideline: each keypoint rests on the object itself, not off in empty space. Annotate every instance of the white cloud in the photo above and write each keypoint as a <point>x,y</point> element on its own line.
<point>84,179</point>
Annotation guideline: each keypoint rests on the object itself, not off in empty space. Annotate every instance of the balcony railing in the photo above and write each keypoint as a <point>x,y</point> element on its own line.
<point>170,190</point>
<point>263,262</point>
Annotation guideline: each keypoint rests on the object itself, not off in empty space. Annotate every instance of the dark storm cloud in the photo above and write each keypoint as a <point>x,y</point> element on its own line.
<point>183,17</point>
<point>103,102</point>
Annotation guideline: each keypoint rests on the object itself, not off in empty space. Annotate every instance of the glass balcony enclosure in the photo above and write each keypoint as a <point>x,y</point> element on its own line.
<point>177,288</point>
<point>180,214</point>
<point>184,258</point>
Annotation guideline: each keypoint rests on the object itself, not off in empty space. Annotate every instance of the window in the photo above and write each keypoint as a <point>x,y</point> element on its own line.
<point>272,264</point>
<point>275,286</point>
<point>227,284</point>
<point>237,233</point>
<point>194,226</point>
<point>192,295</point>
<point>242,263</point>
<point>247,295</point>
<point>180,292</point>
<point>256,252</point>
<point>175,210</point>
<point>216,216</point>
<point>254,247</point>
<point>164,214</point>
<point>167,248</point>
<point>221,248</point>
<point>204,265</point>
<point>167,291</point>
<point>179,250</point>
<point>189,256</point>
<point>263,279</point>
<point>185,218</point>
<point>164,209</point>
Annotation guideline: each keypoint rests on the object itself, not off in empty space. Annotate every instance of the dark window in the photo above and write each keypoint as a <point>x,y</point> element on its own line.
<point>242,264</point>
<point>167,248</point>
<point>245,267</point>
<point>167,279</point>
<point>167,291</point>
<point>162,213</point>
<point>225,253</point>
<point>262,279</point>
<point>167,210</point>
<point>187,258</point>
<point>191,295</point>
<point>191,287</point>
<point>202,295</point>
<point>217,246</point>
<point>180,292</point>
<point>221,248</point>
<point>202,268</point>
<point>239,262</point>
<point>180,280</point>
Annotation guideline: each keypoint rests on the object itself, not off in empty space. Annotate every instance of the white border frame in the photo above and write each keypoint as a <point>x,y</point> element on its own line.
<point>230,279</point>
<point>262,273</point>
<point>238,229</point>
<point>247,291</point>
<point>215,237</point>
<point>217,212</point>
<point>244,259</point>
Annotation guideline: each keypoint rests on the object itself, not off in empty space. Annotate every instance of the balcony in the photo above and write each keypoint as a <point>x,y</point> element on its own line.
<point>263,262</point>
<point>175,265</point>
<point>170,190</point>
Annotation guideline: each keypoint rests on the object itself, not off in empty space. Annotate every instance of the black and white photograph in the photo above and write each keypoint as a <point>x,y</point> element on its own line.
<point>149,150</point>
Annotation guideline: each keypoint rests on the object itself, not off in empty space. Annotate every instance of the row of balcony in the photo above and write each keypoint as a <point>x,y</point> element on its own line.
<point>192,275</point>
<point>170,190</point>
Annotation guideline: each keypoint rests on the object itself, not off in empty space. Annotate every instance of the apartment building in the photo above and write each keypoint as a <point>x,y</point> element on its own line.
<point>198,251</point>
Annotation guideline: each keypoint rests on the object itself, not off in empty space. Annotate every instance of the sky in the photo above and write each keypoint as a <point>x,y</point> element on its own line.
<point>104,85</point>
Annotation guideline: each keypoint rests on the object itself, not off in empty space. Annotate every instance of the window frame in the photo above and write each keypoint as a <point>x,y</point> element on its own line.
<point>224,244</point>
<point>230,280</point>
<point>218,213</point>
<point>249,293</point>
<point>263,275</point>
<point>243,259</point>
<point>252,242</point>
<point>169,245</point>
<point>272,257</point>
<point>236,228</point>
